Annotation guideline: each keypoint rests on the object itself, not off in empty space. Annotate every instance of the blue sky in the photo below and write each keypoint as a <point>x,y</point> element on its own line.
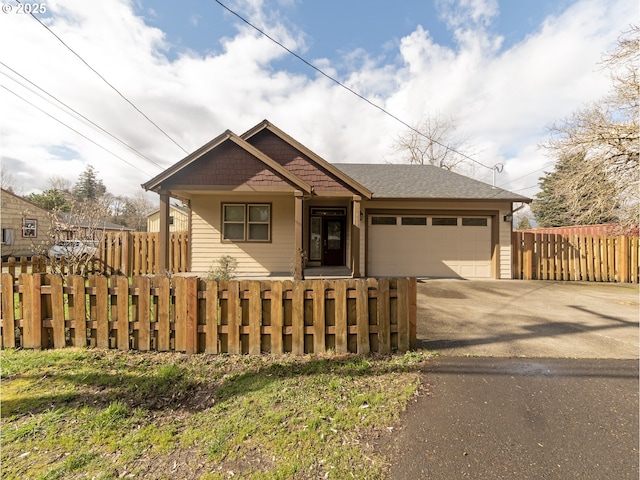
<point>501,70</point>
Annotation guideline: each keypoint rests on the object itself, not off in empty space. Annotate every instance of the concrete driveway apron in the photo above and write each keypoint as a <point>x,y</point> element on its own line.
<point>533,380</point>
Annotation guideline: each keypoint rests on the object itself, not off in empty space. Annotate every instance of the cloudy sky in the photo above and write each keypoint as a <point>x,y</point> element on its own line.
<point>503,70</point>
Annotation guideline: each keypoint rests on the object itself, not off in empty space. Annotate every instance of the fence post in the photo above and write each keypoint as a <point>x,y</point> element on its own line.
<point>403,314</point>
<point>8,312</point>
<point>297,318</point>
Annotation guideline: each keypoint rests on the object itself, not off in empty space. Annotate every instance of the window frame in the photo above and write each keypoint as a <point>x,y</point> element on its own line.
<point>28,225</point>
<point>246,222</point>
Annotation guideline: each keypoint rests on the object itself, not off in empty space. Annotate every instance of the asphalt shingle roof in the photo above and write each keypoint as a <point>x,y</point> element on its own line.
<point>422,181</point>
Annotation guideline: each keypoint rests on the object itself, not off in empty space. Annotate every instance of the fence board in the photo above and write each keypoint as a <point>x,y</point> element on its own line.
<point>161,305</point>
<point>141,304</point>
<point>341,323</point>
<point>297,318</point>
<point>277,340</point>
<point>362,309</point>
<point>319,315</point>
<point>56,305</point>
<point>32,331</point>
<point>122,312</point>
<point>8,312</point>
<point>255,318</point>
<point>211,317</point>
<point>403,314</point>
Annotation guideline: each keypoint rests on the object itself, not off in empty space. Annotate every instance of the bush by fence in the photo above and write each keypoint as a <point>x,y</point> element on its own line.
<point>193,315</point>
<point>575,257</point>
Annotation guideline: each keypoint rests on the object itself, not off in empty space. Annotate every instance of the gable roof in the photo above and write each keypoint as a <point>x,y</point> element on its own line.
<point>228,136</point>
<point>331,168</point>
<point>423,181</point>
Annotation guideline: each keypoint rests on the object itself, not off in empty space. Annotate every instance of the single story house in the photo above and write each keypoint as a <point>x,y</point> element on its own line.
<point>262,197</point>
<point>178,219</point>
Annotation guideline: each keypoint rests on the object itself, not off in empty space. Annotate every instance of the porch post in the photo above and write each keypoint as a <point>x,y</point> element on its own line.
<point>163,236</point>
<point>298,262</point>
<point>355,237</point>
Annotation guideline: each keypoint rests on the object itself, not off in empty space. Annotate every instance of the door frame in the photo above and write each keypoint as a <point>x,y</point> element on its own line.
<point>328,214</point>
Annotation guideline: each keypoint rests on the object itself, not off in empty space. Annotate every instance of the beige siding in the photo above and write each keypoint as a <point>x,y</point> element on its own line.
<point>12,212</point>
<point>275,257</point>
<point>504,270</point>
<point>180,221</point>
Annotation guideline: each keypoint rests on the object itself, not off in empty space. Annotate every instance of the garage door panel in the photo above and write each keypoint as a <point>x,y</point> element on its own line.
<point>431,250</point>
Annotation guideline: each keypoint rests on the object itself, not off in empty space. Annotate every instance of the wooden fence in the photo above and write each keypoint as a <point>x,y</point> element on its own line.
<point>575,257</point>
<point>137,253</point>
<point>16,266</point>
<point>188,314</point>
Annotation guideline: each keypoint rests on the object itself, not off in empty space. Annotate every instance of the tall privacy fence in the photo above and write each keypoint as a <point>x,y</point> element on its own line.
<point>137,253</point>
<point>575,257</point>
<point>189,314</point>
<point>119,253</point>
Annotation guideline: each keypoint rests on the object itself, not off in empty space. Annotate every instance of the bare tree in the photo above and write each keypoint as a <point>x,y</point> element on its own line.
<point>435,141</point>
<point>606,134</point>
<point>7,180</point>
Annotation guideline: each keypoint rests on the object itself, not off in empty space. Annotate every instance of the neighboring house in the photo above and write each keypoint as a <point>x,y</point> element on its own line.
<point>263,196</point>
<point>178,219</point>
<point>71,226</point>
<point>26,227</point>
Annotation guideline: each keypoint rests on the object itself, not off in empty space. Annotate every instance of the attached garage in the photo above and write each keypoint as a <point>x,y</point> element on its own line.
<point>429,245</point>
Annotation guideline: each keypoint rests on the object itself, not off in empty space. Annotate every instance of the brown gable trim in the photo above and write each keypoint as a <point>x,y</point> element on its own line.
<point>266,125</point>
<point>154,183</point>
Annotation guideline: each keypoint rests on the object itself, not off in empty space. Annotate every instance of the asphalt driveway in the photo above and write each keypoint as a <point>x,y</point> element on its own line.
<point>514,318</point>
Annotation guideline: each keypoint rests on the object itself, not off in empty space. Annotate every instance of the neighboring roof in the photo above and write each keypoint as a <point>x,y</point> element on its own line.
<point>423,181</point>
<point>179,208</point>
<point>64,217</point>
<point>26,201</point>
<point>266,125</point>
<point>156,182</point>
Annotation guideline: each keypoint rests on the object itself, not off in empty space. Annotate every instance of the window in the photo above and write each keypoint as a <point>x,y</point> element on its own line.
<point>414,220</point>
<point>383,220</point>
<point>170,219</point>
<point>474,222</point>
<point>7,236</point>
<point>29,228</point>
<point>246,222</point>
<point>442,221</point>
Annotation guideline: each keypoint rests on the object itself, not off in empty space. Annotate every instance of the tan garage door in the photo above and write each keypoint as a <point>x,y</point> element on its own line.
<point>429,246</point>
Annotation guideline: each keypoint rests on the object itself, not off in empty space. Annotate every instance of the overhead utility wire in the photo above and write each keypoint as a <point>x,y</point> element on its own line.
<point>361,97</point>
<point>107,82</point>
<point>73,129</point>
<point>77,113</point>
<point>522,176</point>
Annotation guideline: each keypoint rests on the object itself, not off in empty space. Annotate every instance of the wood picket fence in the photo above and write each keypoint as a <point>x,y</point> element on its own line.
<point>192,315</point>
<point>588,258</point>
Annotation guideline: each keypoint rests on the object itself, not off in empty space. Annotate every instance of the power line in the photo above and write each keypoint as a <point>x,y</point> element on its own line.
<point>361,97</point>
<point>522,176</point>
<point>73,129</point>
<point>77,113</point>
<point>107,82</point>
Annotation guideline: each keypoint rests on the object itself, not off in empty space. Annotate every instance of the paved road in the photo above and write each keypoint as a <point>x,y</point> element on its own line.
<point>501,418</point>
<point>535,380</point>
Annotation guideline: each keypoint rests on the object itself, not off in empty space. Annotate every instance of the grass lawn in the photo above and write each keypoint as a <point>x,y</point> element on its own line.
<point>79,413</point>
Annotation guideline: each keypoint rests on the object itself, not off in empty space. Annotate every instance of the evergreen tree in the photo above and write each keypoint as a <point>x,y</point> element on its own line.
<point>51,199</point>
<point>577,192</point>
<point>89,186</point>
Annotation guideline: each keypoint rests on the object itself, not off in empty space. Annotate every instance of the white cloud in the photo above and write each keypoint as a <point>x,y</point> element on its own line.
<point>503,99</point>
